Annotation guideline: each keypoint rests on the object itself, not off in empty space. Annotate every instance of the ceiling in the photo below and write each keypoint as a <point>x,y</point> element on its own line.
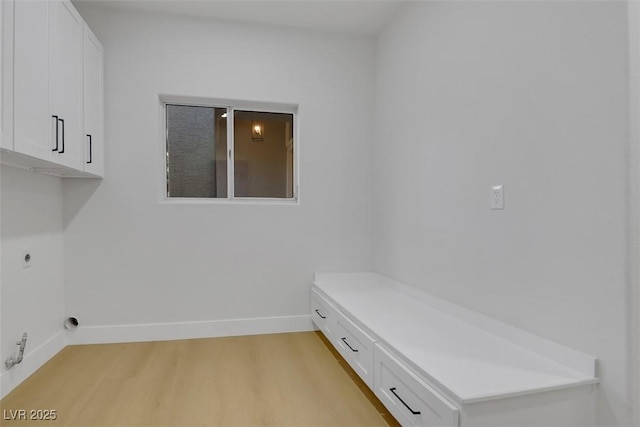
<point>364,17</point>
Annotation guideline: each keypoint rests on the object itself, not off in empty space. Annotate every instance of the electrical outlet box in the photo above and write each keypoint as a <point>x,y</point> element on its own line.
<point>497,197</point>
<point>27,259</point>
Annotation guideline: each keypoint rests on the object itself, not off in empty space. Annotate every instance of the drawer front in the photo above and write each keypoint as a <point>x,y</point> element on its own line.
<point>355,346</point>
<point>323,314</point>
<point>411,401</point>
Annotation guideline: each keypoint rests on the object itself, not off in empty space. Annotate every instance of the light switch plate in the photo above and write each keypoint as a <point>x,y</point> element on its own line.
<point>497,197</point>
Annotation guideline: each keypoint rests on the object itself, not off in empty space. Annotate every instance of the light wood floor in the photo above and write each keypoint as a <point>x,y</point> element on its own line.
<point>277,380</point>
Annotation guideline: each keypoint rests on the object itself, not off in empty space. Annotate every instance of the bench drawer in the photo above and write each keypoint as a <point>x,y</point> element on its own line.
<point>323,314</point>
<point>411,401</point>
<point>356,346</point>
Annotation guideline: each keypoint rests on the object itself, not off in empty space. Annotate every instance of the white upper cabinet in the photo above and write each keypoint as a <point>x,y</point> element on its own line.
<point>93,105</point>
<point>32,123</point>
<point>6,74</point>
<point>49,90</point>
<point>66,29</point>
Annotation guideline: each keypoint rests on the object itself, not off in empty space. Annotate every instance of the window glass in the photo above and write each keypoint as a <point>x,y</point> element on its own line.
<point>258,162</point>
<point>196,151</point>
<point>263,154</point>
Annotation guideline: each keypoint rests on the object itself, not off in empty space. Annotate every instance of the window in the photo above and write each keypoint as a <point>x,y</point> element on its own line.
<point>241,151</point>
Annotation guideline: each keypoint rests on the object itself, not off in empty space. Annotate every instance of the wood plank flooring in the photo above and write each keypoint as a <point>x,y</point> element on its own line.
<point>294,379</point>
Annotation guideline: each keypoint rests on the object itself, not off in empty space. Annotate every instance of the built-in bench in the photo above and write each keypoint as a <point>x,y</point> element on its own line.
<point>433,363</point>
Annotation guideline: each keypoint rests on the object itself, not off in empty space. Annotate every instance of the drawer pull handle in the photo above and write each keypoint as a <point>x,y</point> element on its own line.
<point>90,149</point>
<point>393,390</point>
<point>344,340</point>
<point>320,314</point>
<point>57,118</point>
<point>62,150</point>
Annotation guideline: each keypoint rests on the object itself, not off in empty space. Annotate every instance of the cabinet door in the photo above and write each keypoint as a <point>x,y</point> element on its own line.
<point>6,74</point>
<point>32,122</point>
<point>65,82</point>
<point>93,104</point>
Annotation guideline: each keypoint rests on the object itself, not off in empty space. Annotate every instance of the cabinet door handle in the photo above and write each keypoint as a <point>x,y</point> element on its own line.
<point>62,151</point>
<point>393,390</point>
<point>90,150</point>
<point>320,314</point>
<point>56,123</point>
<point>344,340</point>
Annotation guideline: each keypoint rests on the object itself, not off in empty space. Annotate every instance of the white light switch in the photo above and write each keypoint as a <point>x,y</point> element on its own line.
<point>497,197</point>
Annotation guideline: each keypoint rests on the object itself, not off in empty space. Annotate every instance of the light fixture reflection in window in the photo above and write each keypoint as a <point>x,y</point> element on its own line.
<point>257,130</point>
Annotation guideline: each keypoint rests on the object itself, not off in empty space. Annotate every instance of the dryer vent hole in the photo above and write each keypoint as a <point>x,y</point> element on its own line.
<point>70,323</point>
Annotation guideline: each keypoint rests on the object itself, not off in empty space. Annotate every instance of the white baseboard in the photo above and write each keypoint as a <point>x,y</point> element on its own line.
<point>188,330</point>
<point>31,362</point>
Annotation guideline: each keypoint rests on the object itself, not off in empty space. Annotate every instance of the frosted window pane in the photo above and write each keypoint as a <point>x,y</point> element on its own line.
<point>196,152</point>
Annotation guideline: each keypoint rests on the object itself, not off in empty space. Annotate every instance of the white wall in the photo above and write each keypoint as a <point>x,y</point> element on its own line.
<point>531,95</point>
<point>32,298</point>
<point>634,207</point>
<point>131,260</point>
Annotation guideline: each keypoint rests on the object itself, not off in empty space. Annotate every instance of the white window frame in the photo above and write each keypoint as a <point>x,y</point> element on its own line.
<point>231,106</point>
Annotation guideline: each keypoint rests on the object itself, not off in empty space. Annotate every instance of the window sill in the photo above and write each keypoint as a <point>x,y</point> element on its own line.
<point>237,201</point>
